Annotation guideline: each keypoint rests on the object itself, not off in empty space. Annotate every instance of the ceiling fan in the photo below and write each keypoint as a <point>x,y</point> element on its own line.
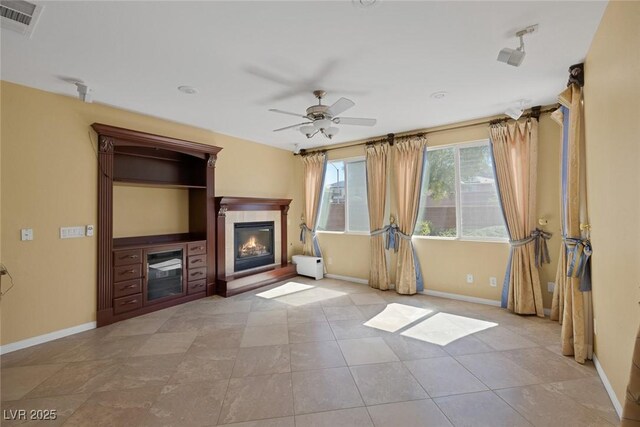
<point>321,118</point>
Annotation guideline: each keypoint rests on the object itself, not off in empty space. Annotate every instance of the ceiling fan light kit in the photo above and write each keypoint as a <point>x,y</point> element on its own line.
<point>321,117</point>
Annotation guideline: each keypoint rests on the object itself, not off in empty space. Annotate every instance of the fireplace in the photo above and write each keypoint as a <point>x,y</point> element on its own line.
<point>254,245</point>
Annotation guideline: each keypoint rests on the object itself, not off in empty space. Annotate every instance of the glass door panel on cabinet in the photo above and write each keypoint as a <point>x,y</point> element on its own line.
<point>165,273</point>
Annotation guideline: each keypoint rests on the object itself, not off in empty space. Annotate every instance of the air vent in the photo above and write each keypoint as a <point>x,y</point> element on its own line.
<point>19,16</point>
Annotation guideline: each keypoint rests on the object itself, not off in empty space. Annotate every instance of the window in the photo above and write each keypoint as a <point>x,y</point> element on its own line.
<point>344,197</point>
<point>458,197</point>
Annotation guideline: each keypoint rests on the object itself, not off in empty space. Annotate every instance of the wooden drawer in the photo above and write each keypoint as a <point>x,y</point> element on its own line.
<point>132,302</point>
<point>127,272</point>
<point>197,248</point>
<point>197,274</point>
<point>129,287</point>
<point>133,256</point>
<point>196,286</point>
<point>197,261</point>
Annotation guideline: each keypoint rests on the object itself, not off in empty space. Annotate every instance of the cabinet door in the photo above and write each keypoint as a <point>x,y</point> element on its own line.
<point>165,273</point>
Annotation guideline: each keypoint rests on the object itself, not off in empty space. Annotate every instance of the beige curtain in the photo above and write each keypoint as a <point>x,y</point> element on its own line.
<point>571,305</point>
<point>407,170</point>
<point>631,412</point>
<point>515,153</point>
<point>377,165</point>
<point>314,166</point>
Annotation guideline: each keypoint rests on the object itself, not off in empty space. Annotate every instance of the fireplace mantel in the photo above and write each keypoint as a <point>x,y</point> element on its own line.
<point>234,283</point>
<point>224,204</point>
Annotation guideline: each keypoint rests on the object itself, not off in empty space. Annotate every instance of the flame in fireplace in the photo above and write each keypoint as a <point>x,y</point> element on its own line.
<point>252,248</point>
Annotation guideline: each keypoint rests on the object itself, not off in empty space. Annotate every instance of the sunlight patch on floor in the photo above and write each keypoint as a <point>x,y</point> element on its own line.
<point>444,328</point>
<point>310,296</point>
<point>297,294</point>
<point>286,289</point>
<point>397,316</point>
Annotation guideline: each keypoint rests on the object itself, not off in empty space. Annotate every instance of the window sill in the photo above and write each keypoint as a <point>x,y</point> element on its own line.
<point>461,239</point>
<point>433,238</point>
<point>349,233</point>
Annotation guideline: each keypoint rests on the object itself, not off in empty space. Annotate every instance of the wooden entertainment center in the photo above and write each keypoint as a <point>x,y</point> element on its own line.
<point>140,274</point>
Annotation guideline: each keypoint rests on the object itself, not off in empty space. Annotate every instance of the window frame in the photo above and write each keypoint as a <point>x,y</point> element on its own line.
<point>346,161</point>
<point>458,186</point>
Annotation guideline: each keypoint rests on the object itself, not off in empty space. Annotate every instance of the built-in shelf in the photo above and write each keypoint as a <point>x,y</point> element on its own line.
<point>132,158</point>
<point>144,241</point>
<point>155,184</point>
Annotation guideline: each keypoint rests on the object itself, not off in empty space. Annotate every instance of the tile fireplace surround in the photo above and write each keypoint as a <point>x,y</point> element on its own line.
<point>232,210</point>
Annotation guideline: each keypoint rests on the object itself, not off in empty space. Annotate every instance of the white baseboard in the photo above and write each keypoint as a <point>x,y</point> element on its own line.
<point>347,278</point>
<point>459,297</point>
<point>29,342</point>
<point>495,303</point>
<point>607,386</point>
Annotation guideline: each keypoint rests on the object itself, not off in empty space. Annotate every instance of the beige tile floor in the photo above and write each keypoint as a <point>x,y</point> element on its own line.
<point>325,353</point>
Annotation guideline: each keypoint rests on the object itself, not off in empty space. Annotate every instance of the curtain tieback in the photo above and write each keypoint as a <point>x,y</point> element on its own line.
<point>393,234</point>
<point>303,234</point>
<point>540,238</point>
<point>581,251</point>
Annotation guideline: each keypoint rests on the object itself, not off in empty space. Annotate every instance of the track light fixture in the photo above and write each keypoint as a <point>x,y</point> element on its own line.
<point>516,111</point>
<point>84,92</point>
<point>516,56</point>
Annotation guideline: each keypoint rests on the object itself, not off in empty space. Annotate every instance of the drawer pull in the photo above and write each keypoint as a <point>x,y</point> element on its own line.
<point>133,256</point>
<point>128,272</point>
<point>200,247</point>
<point>196,261</point>
<point>129,286</point>
<point>197,273</point>
<point>198,285</point>
<point>133,301</point>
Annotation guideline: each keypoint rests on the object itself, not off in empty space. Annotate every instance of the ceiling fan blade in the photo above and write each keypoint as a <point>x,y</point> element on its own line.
<point>354,121</point>
<point>287,112</point>
<point>292,126</point>
<point>340,106</point>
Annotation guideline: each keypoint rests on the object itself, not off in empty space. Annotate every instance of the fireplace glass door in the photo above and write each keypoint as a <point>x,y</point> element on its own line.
<point>253,245</point>
<point>165,274</point>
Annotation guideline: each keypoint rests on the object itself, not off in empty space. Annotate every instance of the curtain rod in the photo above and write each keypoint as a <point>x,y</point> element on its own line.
<point>535,112</point>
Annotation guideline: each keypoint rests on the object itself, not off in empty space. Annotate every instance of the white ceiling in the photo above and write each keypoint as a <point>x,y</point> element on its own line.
<point>246,57</point>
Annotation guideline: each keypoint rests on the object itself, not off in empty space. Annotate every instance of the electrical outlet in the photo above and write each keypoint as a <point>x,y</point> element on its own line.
<point>89,230</point>
<point>469,278</point>
<point>26,234</point>
<point>551,287</point>
<point>493,282</point>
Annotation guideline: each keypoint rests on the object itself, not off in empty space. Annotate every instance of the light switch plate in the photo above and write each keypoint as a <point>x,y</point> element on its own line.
<point>71,232</point>
<point>26,234</point>
<point>493,282</point>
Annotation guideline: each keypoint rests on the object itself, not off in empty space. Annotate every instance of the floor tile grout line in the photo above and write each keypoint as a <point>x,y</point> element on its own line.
<point>412,375</point>
<point>512,407</point>
<point>351,374</point>
<point>470,373</point>
<point>591,410</point>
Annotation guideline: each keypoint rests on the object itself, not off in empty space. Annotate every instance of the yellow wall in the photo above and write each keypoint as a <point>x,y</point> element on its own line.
<point>49,180</point>
<point>146,211</point>
<point>445,263</point>
<point>612,117</point>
